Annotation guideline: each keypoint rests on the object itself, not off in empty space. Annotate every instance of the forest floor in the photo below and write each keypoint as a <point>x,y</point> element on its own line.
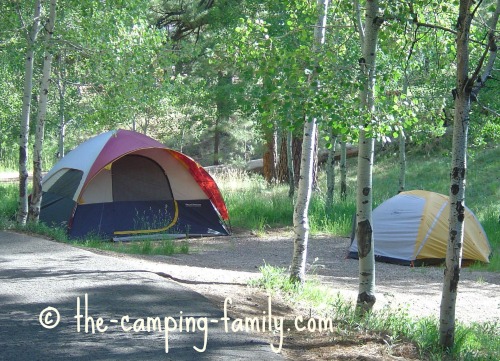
<point>221,267</point>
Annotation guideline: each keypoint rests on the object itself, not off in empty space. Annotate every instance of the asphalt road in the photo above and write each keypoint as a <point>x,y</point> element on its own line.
<point>41,282</point>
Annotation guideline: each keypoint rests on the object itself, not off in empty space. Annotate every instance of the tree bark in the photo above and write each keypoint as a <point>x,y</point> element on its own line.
<point>330,170</point>
<point>270,155</point>
<point>216,140</point>
<point>301,209</point>
<point>315,162</point>
<point>343,170</point>
<point>291,172</point>
<point>297,158</point>
<point>282,169</point>
<point>464,88</point>
<point>223,104</point>
<point>366,293</point>
<point>36,196</point>
<point>22,213</point>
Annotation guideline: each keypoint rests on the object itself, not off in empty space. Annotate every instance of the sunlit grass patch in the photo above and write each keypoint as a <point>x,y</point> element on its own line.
<point>9,193</point>
<point>476,341</point>
<point>166,247</point>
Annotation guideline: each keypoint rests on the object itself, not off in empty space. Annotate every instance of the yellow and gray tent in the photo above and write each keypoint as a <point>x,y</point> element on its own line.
<point>412,228</point>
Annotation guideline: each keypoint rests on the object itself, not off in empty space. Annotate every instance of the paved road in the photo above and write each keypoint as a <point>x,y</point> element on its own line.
<point>37,273</point>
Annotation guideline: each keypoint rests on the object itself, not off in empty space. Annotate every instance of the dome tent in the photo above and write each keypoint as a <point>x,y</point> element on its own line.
<point>123,183</point>
<point>412,228</point>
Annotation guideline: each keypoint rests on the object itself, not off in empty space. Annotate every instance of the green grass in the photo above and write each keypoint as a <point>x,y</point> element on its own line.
<point>252,204</point>
<point>166,247</point>
<point>8,203</point>
<point>472,342</point>
<point>256,206</point>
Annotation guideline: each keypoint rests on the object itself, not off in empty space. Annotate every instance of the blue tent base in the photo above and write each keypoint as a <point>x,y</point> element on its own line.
<point>414,263</point>
<point>143,218</point>
<point>161,237</point>
<point>403,262</point>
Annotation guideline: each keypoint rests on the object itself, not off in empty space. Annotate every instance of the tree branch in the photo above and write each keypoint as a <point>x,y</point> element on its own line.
<point>75,46</point>
<point>433,26</point>
<point>477,7</point>
<point>439,27</point>
<point>21,20</point>
<point>492,48</point>
<point>475,75</point>
<point>489,110</point>
<point>359,23</point>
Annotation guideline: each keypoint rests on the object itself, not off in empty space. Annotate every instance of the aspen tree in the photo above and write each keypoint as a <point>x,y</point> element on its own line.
<point>300,214</point>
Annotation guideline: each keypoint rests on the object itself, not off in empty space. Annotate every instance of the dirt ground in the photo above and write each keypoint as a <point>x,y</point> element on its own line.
<point>221,267</point>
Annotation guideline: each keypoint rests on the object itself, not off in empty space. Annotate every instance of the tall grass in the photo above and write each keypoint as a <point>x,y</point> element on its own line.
<point>257,206</point>
<point>8,203</point>
<point>472,342</point>
<point>252,204</point>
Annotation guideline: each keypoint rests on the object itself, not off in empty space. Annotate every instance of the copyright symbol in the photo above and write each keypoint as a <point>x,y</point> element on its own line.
<point>47,316</point>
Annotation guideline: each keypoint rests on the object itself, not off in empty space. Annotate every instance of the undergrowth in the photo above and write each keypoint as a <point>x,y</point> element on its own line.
<point>166,247</point>
<point>475,341</point>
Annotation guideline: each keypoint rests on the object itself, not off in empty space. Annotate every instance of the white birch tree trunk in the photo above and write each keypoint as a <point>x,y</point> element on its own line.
<point>366,293</point>
<point>22,213</point>
<point>301,209</point>
<point>465,86</point>
<point>36,196</point>
<point>343,170</point>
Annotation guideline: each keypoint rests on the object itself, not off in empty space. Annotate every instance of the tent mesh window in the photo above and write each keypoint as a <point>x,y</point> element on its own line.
<point>137,178</point>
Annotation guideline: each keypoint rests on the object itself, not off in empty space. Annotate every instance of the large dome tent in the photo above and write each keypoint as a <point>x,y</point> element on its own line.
<point>411,228</point>
<point>122,183</point>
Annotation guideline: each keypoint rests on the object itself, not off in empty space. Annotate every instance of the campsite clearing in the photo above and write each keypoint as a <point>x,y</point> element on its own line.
<point>220,267</point>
